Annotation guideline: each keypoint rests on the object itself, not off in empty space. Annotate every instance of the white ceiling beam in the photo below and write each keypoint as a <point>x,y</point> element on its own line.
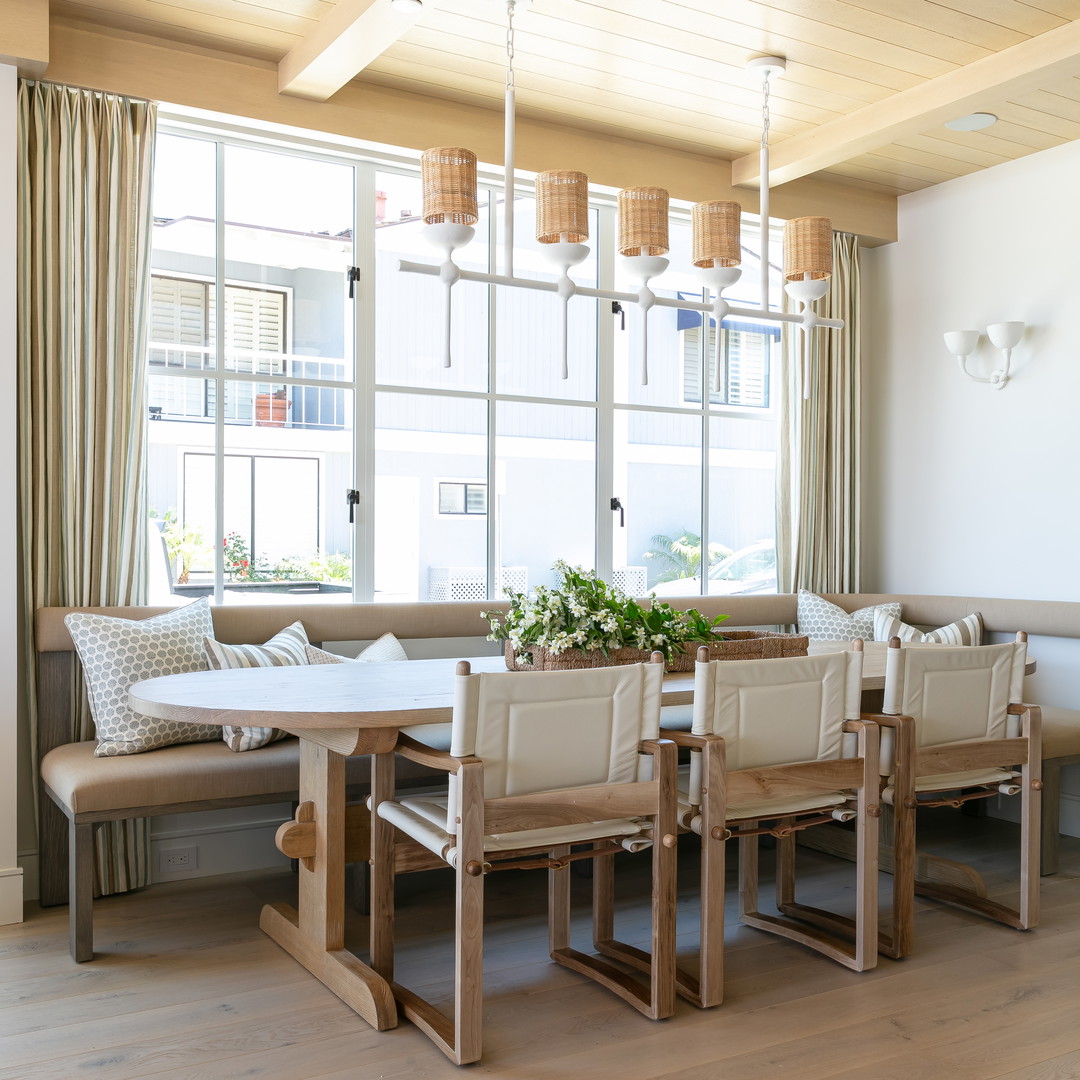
<point>1031,65</point>
<point>350,36</point>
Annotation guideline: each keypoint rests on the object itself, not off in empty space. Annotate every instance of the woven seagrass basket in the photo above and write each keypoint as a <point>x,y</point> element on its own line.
<point>735,645</point>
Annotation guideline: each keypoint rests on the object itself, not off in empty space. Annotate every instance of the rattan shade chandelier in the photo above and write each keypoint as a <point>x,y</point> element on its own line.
<point>562,227</point>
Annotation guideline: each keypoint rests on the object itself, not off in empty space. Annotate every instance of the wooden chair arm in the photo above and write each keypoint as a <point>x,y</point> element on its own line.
<point>685,738</point>
<point>425,755</point>
<point>894,720</point>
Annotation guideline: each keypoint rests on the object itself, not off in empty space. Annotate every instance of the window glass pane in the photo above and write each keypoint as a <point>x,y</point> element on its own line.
<point>182,262</point>
<point>410,308</point>
<point>427,447</point>
<point>544,498</point>
<point>288,246</point>
<point>744,357</point>
<point>181,543</point>
<point>528,334</point>
<point>658,479</point>
<point>742,505</point>
<point>286,534</point>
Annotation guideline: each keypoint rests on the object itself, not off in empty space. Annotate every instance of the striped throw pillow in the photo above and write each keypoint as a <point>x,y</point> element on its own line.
<point>284,649</point>
<point>967,631</point>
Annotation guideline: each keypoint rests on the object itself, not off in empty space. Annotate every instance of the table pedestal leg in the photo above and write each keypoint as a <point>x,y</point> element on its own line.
<point>315,934</point>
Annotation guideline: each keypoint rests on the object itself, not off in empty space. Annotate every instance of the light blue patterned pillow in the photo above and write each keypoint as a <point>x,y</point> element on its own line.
<point>822,620</point>
<point>117,653</point>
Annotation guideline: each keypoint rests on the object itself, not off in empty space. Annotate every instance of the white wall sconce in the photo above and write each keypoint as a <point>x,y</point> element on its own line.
<point>1004,336</point>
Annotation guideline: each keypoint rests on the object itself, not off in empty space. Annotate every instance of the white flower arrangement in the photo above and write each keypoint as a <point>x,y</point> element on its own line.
<point>586,613</point>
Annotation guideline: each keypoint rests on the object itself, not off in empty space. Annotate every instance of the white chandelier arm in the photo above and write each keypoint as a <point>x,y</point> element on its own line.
<point>409,267</point>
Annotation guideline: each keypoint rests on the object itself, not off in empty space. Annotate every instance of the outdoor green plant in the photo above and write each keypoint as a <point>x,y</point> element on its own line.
<point>680,556</point>
<point>329,566</point>
<point>185,544</point>
<point>586,613</point>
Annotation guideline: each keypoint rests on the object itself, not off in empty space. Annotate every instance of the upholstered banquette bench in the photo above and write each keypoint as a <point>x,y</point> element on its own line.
<point>83,790</point>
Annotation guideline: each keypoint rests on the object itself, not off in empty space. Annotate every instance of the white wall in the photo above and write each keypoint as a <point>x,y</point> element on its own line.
<point>11,882</point>
<point>972,490</point>
<point>968,490</point>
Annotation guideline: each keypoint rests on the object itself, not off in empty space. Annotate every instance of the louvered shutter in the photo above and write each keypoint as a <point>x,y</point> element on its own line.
<point>178,316</point>
<point>254,330</point>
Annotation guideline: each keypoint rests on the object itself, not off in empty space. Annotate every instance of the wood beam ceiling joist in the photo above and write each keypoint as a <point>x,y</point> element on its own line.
<point>351,35</point>
<point>1031,65</point>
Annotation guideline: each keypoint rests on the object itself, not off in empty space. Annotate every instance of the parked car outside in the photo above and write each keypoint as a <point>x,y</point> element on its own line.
<point>751,569</point>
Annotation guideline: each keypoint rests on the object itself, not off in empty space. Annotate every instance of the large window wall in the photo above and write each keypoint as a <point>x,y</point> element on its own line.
<point>311,443</point>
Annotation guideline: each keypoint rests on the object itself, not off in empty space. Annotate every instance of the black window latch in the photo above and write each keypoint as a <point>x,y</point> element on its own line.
<point>352,499</point>
<point>616,505</point>
<point>618,309</point>
<point>352,276</point>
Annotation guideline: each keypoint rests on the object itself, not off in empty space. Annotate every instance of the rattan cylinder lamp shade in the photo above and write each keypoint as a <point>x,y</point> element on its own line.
<point>716,233</point>
<point>807,249</point>
<point>643,221</point>
<point>562,207</point>
<point>449,178</point>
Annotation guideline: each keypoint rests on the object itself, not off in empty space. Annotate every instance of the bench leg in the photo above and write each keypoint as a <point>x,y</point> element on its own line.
<point>1051,811</point>
<point>81,891</point>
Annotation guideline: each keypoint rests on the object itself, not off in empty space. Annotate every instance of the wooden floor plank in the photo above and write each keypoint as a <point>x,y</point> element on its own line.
<point>187,988</point>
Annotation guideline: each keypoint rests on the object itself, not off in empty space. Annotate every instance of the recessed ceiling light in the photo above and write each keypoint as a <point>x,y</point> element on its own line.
<point>408,7</point>
<point>975,121</point>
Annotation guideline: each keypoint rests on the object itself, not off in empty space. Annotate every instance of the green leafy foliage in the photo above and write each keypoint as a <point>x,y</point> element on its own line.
<point>586,613</point>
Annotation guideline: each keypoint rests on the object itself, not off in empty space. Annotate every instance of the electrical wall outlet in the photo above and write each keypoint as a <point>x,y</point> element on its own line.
<point>178,858</point>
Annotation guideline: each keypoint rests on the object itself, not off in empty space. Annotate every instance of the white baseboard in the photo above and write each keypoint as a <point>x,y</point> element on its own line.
<point>11,895</point>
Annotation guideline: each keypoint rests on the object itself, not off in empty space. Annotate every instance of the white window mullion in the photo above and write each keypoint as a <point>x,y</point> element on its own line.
<point>605,395</point>
<point>364,386</point>
<point>217,376</point>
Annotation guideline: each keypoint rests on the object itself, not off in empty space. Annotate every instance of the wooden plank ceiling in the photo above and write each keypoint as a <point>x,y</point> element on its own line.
<point>674,73</point>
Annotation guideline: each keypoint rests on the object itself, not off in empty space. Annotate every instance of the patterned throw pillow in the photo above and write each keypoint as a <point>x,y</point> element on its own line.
<point>966,631</point>
<point>821,620</point>
<point>380,651</point>
<point>117,653</point>
<point>284,649</point>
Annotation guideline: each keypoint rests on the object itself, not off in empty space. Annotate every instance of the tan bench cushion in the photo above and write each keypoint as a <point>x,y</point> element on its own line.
<point>1060,732</point>
<point>194,772</point>
<point>198,772</point>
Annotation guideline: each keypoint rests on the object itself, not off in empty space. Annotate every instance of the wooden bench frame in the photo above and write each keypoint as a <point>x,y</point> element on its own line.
<point>65,839</point>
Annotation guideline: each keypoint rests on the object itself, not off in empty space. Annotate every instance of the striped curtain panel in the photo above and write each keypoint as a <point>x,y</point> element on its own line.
<point>84,176</point>
<point>818,506</point>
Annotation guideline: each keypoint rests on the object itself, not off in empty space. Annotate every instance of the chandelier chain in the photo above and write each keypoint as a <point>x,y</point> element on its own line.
<point>510,5</point>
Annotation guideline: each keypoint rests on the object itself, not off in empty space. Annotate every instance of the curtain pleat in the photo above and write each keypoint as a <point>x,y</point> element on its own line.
<point>85,169</point>
<point>818,507</point>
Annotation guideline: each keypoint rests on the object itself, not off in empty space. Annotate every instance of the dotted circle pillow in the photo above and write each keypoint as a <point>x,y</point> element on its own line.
<point>284,649</point>
<point>966,631</point>
<point>117,653</point>
<point>382,650</point>
<point>821,620</point>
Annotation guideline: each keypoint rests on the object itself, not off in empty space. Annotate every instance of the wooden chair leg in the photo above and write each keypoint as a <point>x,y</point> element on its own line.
<point>664,862</point>
<point>1051,811</point>
<point>709,990</point>
<point>469,921</point>
<point>902,938</point>
<point>748,872</point>
<point>381,905</point>
<point>81,891</point>
<point>785,871</point>
<point>1030,835</point>
<point>558,904</point>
